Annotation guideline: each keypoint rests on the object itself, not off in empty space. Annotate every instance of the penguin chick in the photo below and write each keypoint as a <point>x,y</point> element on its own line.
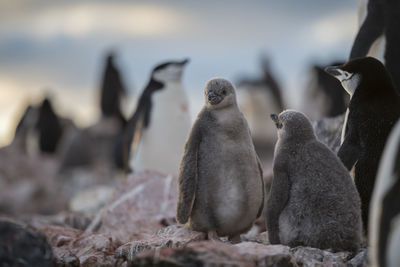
<point>373,110</point>
<point>313,201</point>
<point>384,223</point>
<point>220,178</point>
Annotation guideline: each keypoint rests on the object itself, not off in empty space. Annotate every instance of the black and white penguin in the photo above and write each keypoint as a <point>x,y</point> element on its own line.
<point>379,35</point>
<point>49,128</point>
<point>257,97</point>
<point>384,221</point>
<point>323,96</point>
<point>156,133</point>
<point>373,110</point>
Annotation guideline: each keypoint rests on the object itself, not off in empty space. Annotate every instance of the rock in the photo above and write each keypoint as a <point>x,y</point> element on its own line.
<point>360,260</point>
<point>64,219</point>
<point>307,256</point>
<point>141,205</point>
<point>170,237</point>
<point>329,131</point>
<point>90,201</point>
<point>262,255</point>
<point>71,244</point>
<point>211,253</point>
<point>23,247</point>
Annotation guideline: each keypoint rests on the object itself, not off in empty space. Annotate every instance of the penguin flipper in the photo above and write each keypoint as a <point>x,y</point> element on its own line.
<point>349,151</point>
<point>370,30</point>
<point>132,135</point>
<point>278,198</point>
<point>263,188</point>
<point>187,177</point>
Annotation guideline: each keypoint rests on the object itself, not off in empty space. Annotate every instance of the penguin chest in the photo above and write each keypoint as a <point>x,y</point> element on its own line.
<point>232,180</point>
<point>161,145</point>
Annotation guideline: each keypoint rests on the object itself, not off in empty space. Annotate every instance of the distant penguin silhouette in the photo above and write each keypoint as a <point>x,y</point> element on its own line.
<point>156,132</point>
<point>384,220</point>
<point>257,97</point>
<point>25,128</point>
<point>373,110</point>
<point>324,96</point>
<point>382,21</point>
<point>112,90</point>
<point>49,128</point>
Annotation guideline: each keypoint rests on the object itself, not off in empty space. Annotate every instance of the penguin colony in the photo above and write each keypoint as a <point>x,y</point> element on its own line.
<point>314,200</point>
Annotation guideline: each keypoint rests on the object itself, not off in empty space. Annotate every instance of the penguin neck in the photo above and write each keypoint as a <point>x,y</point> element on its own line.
<point>299,136</point>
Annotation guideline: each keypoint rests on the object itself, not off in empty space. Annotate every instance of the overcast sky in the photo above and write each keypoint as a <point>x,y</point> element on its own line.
<point>58,47</point>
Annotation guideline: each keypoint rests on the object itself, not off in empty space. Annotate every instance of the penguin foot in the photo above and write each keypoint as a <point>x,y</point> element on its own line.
<point>213,236</point>
<point>235,239</point>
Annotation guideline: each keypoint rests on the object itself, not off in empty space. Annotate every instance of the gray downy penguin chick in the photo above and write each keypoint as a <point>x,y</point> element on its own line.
<point>221,188</point>
<point>384,221</point>
<point>313,200</point>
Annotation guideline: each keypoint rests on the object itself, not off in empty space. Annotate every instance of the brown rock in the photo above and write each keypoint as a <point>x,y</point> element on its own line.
<point>211,253</point>
<point>142,204</point>
<point>262,255</point>
<point>307,256</point>
<point>70,244</point>
<point>171,237</point>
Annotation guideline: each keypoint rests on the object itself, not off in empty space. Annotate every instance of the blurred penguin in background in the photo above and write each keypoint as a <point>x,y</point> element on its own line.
<point>379,35</point>
<point>324,96</point>
<point>156,133</point>
<point>49,128</point>
<point>112,90</point>
<point>98,144</point>
<point>256,98</point>
<point>24,130</point>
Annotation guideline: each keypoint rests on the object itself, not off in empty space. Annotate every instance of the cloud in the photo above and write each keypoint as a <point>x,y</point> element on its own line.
<point>334,29</point>
<point>78,20</point>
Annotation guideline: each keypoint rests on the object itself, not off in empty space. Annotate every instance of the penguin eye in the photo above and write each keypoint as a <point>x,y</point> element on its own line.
<point>224,92</point>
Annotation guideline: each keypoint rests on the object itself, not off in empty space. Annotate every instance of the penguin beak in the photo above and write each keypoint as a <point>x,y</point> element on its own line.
<point>333,70</point>
<point>338,73</point>
<point>184,62</point>
<point>213,98</point>
<point>275,119</point>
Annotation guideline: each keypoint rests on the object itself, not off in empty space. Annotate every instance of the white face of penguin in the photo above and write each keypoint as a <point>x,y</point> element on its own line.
<point>350,81</point>
<point>171,73</point>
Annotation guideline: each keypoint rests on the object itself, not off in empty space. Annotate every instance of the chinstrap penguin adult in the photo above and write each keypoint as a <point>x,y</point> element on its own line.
<point>156,132</point>
<point>323,96</point>
<point>313,200</point>
<point>384,221</point>
<point>373,110</point>
<point>220,180</point>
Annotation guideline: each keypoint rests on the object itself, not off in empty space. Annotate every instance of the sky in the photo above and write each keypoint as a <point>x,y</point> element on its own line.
<point>57,48</point>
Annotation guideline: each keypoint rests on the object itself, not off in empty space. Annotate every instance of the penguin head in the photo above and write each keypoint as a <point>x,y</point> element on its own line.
<point>169,71</point>
<point>366,70</point>
<point>219,93</point>
<point>291,123</point>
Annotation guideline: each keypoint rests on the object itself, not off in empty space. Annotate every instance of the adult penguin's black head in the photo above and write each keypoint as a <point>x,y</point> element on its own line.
<point>170,71</point>
<point>367,72</point>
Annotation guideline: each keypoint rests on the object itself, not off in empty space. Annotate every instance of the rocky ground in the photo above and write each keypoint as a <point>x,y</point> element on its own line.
<point>88,218</point>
